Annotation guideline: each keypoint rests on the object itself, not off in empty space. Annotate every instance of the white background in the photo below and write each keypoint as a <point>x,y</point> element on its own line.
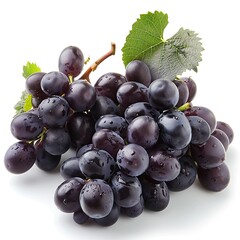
<point>37,31</point>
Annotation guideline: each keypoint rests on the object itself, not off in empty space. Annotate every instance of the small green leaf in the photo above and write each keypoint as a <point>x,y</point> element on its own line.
<point>145,36</point>
<point>29,69</point>
<point>165,58</point>
<point>24,104</point>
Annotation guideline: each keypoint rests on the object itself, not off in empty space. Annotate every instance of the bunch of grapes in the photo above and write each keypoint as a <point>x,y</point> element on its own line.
<point>136,139</point>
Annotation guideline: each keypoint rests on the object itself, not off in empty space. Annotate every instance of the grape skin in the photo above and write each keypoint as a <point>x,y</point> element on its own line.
<point>19,157</point>
<point>96,198</point>
<point>71,61</point>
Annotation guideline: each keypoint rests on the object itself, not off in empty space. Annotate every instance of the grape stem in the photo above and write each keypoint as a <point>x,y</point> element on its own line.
<point>185,107</point>
<point>94,66</point>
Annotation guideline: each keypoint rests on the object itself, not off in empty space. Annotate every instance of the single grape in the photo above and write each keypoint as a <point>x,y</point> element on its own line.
<point>155,194</point>
<point>53,112</point>
<point>81,95</point>
<point>80,128</point>
<point>175,130</point>
<point>204,113</point>
<point>44,160</point>
<point>192,87</point>
<point>66,196</point>
<point>70,168</point>
<point>19,157</point>
<point>56,141</point>
<point>163,94</point>
<point>132,159</point>
<point>227,129</point>
<point>33,85</point>
<point>108,84</point>
<point>140,109</point>
<point>54,83</point>
<point>138,71</point>
<point>162,167</point>
<point>26,126</point>
<point>80,217</point>
<point>97,164</point>
<point>103,106</point>
<point>111,218</point>
<point>143,131</point>
<point>183,92</point>
<point>200,129</point>
<point>210,154</point>
<point>214,179</point>
<point>71,61</point>
<point>108,140</point>
<point>222,137</point>
<point>112,122</point>
<point>96,198</point>
<point>137,91</point>
<point>186,177</point>
<point>127,190</point>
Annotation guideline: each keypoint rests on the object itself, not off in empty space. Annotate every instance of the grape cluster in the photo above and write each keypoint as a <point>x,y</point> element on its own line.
<point>136,139</point>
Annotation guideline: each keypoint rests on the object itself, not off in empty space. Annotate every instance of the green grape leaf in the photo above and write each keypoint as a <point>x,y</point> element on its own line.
<point>165,58</point>
<point>29,69</point>
<point>24,104</point>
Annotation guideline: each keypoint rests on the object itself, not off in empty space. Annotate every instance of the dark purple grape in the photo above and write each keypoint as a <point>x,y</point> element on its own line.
<point>44,160</point>
<point>204,113</point>
<point>66,196</point>
<point>227,129</point>
<point>80,128</point>
<point>214,179</point>
<point>127,190</point>
<point>210,154</point>
<point>138,71</point>
<point>70,168</point>
<point>54,83</point>
<point>186,176</point>
<point>108,84</point>
<point>192,87</point>
<point>108,140</point>
<point>200,130</point>
<point>80,217</point>
<point>132,92</point>
<point>20,157</point>
<point>111,218</point>
<point>33,85</point>
<point>84,149</point>
<point>26,126</point>
<point>96,198</point>
<point>113,122</point>
<point>222,137</point>
<point>183,92</point>
<point>143,131</point>
<point>53,112</point>
<point>140,109</point>
<point>97,164</point>
<point>56,141</point>
<point>132,159</point>
<point>71,61</point>
<point>162,167</point>
<point>103,106</point>
<point>81,95</point>
<point>163,94</point>
<point>175,130</point>
<point>155,194</point>
<point>135,210</point>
